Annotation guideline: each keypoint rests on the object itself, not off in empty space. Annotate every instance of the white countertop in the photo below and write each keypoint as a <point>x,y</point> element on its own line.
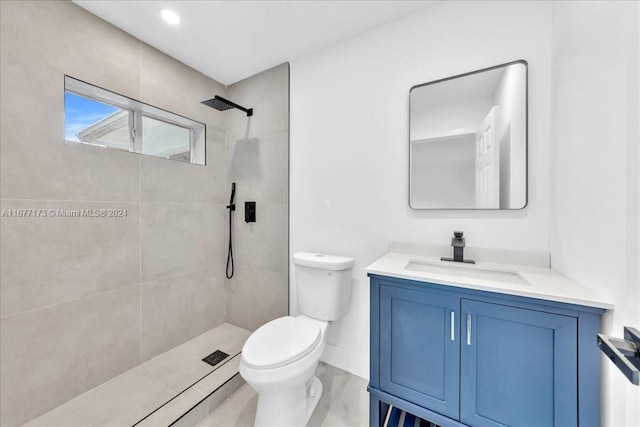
<point>542,283</point>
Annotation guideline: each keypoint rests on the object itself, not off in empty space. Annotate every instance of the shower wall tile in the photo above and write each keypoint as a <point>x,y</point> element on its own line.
<point>268,94</point>
<point>183,88</point>
<point>263,244</point>
<point>256,297</point>
<point>179,308</point>
<point>258,162</point>
<point>216,161</point>
<point>42,41</point>
<point>262,166</point>
<point>171,181</point>
<point>70,287</point>
<point>179,238</point>
<point>54,259</point>
<point>51,355</point>
<point>36,162</point>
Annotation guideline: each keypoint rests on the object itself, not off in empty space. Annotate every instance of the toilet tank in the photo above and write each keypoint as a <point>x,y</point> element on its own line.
<point>323,285</point>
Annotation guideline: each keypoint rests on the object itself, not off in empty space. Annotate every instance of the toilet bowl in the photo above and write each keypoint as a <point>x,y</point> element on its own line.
<point>279,361</point>
<point>280,358</point>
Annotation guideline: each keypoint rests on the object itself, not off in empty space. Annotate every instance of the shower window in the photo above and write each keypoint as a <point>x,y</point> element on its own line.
<point>165,139</point>
<point>94,122</point>
<point>102,118</point>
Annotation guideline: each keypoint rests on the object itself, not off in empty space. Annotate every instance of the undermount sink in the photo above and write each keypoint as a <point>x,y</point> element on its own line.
<point>466,271</point>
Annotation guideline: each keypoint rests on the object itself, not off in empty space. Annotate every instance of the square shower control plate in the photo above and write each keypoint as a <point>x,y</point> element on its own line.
<point>249,211</point>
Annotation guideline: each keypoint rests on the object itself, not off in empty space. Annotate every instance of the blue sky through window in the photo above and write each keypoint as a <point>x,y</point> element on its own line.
<point>80,112</point>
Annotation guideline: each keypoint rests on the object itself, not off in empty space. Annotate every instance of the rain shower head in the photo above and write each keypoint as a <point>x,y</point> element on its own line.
<point>221,104</point>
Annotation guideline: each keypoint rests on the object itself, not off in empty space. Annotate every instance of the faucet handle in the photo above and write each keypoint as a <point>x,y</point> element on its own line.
<point>457,239</point>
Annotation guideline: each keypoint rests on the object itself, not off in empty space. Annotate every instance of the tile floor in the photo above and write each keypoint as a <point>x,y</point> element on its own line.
<point>130,397</point>
<point>344,402</point>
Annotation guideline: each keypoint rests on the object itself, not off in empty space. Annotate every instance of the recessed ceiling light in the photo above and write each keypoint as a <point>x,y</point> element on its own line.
<point>170,16</point>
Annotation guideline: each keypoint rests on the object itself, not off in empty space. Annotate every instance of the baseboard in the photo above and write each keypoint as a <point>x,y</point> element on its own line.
<point>346,360</point>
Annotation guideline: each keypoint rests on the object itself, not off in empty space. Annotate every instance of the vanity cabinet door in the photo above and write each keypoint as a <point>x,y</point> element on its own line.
<point>518,367</point>
<point>419,348</point>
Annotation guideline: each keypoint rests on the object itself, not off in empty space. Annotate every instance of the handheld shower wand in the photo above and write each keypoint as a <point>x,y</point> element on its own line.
<point>232,207</point>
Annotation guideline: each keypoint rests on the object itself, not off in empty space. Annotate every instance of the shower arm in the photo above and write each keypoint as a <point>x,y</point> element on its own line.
<point>249,111</point>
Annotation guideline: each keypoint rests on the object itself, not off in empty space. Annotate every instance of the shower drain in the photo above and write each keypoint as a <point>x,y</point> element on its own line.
<point>216,357</point>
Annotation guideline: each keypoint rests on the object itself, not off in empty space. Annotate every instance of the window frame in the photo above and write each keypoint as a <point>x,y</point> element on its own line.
<point>137,110</point>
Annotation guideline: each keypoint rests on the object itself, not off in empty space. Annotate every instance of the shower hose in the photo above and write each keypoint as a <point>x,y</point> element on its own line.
<point>230,253</point>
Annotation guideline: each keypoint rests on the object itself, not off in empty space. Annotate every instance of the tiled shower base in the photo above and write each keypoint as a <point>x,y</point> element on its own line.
<point>174,388</point>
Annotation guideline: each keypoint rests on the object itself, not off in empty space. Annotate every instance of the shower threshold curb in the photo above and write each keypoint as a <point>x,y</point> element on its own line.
<point>198,401</point>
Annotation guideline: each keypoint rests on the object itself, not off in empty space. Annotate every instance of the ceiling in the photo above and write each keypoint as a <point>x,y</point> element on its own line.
<point>231,40</point>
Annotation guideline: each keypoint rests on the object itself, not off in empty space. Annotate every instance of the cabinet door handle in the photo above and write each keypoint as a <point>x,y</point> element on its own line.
<point>468,329</point>
<point>453,325</point>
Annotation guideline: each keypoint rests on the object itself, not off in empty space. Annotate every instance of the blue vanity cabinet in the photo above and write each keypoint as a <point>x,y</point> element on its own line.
<point>461,357</point>
<point>419,351</point>
<point>519,367</point>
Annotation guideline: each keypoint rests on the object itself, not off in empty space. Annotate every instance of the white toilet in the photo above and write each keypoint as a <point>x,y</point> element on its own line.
<point>280,358</point>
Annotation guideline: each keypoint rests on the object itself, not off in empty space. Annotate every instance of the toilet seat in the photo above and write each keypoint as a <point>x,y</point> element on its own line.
<point>281,342</point>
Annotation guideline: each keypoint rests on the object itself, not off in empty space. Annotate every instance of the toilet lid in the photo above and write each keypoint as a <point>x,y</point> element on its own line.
<point>280,342</point>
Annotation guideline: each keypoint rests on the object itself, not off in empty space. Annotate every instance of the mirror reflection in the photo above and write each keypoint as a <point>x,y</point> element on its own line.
<point>468,140</point>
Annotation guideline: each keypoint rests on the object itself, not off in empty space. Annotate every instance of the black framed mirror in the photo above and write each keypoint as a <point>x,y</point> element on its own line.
<point>468,140</point>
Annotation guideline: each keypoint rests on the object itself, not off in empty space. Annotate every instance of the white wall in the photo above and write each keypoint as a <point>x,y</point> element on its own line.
<point>595,222</point>
<point>350,144</point>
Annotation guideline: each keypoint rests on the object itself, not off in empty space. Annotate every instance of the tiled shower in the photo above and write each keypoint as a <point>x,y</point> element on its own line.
<point>85,299</point>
